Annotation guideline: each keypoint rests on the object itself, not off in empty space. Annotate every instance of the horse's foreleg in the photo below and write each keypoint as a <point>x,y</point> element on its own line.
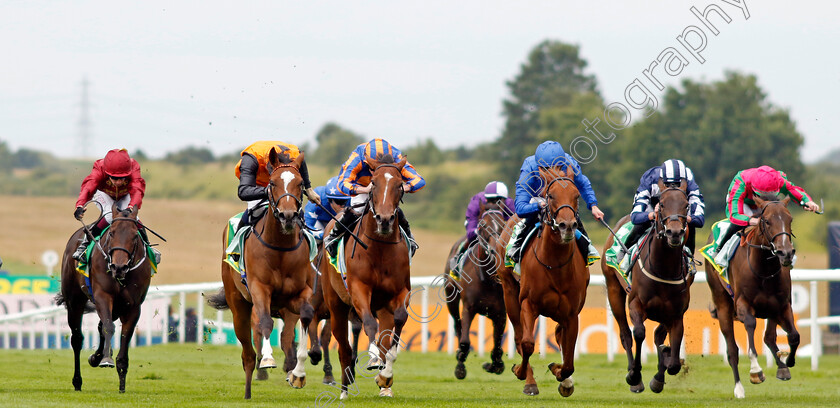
<point>263,324</point>
<point>106,332</point>
<point>637,316</point>
<point>325,345</point>
<point>467,316</point>
<point>566,336</point>
<point>128,324</point>
<point>297,376</point>
<point>725,318</point>
<point>747,316</point>
<point>496,365</point>
<point>74,320</point>
<point>663,356</point>
<point>510,289</point>
<point>360,296</point>
<point>523,371</point>
<point>453,301</point>
<point>787,323</point>
<point>356,326</point>
<point>315,352</point>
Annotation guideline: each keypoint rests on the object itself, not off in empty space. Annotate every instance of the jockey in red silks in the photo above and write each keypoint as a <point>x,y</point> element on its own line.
<point>354,181</point>
<point>765,182</point>
<point>114,179</point>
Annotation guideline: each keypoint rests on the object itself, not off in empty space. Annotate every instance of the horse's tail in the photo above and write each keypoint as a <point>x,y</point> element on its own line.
<point>218,300</point>
<point>60,300</point>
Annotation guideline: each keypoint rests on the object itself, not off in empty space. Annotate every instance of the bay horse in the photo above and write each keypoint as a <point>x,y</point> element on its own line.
<point>120,273</point>
<point>378,280</point>
<point>278,277</point>
<point>553,281</point>
<point>759,274</point>
<point>321,340</point>
<point>659,289</point>
<point>478,290</point>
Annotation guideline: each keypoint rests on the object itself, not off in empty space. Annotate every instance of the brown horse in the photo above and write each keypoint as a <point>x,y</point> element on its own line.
<point>120,273</point>
<point>322,313</point>
<point>378,280</point>
<point>553,282</point>
<point>659,289</point>
<point>759,274</point>
<point>278,277</point>
<point>478,290</point>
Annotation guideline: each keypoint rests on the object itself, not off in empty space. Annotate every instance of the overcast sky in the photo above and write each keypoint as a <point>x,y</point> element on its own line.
<point>165,75</point>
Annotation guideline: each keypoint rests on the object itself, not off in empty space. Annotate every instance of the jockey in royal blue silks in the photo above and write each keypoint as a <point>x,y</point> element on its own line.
<point>646,200</point>
<point>529,201</point>
<point>315,217</point>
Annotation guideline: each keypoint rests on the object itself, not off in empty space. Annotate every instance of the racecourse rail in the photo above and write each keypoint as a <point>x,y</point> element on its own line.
<point>53,318</point>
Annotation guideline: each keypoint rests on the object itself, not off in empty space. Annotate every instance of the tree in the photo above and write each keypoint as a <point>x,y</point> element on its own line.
<point>6,155</point>
<point>190,155</point>
<point>425,152</point>
<point>334,145</point>
<point>550,78</point>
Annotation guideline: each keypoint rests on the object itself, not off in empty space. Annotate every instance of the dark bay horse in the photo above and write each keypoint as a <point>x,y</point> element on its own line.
<point>378,280</point>
<point>759,275</point>
<point>478,290</point>
<point>278,277</point>
<point>120,272</point>
<point>553,282</point>
<point>659,289</point>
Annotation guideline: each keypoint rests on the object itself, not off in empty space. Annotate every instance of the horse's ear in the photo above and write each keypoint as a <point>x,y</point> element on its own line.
<point>272,160</point>
<point>786,200</point>
<point>299,160</point>
<point>661,185</point>
<point>684,185</point>
<point>759,201</point>
<point>402,163</point>
<point>372,163</point>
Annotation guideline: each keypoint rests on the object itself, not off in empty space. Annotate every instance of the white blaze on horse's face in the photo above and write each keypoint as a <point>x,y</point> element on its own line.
<point>287,177</point>
<point>388,178</point>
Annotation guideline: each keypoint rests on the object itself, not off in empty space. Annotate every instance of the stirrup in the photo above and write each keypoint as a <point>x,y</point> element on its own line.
<point>80,251</point>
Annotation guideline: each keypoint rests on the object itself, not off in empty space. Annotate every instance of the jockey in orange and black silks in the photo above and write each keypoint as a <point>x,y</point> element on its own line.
<point>114,179</point>
<point>253,175</point>
<point>354,181</point>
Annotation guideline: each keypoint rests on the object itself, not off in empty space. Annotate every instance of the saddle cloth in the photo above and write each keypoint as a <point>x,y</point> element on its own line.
<point>720,259</point>
<point>591,258</point>
<point>611,254</point>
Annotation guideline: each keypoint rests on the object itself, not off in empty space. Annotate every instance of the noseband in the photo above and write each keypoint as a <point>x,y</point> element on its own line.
<point>109,255</point>
<point>550,218</point>
<point>763,226</point>
<point>661,221</point>
<point>273,204</point>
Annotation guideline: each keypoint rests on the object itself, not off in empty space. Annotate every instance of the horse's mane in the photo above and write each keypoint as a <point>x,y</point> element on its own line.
<point>385,158</point>
<point>769,197</point>
<point>283,157</point>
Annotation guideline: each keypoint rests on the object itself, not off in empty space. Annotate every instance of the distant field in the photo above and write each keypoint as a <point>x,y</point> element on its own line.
<point>192,376</point>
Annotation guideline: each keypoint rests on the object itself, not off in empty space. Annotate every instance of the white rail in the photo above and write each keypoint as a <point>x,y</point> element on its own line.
<point>55,316</point>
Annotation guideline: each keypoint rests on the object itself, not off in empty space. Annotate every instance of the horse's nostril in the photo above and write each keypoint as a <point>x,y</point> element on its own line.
<point>574,225</point>
<point>562,225</point>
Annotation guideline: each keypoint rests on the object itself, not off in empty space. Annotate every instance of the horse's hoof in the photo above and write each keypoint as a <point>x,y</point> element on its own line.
<point>295,381</point>
<point>384,383</point>
<point>328,379</point>
<point>566,391</point>
<point>656,385</point>
<point>122,390</point>
<point>551,367</point>
<point>460,371</point>
<point>757,378</point>
<point>262,374</point>
<point>531,389</point>
<point>267,362</point>
<point>494,368</point>
<point>107,362</point>
<point>638,388</point>
<point>783,373</point>
<point>315,357</point>
<point>386,392</point>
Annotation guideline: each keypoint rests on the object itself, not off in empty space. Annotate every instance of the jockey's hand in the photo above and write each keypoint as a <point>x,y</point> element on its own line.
<point>79,213</point>
<point>687,219</point>
<point>406,187</point>
<point>363,189</point>
<point>312,195</point>
<point>754,220</point>
<point>597,213</point>
<point>812,206</point>
<point>541,202</point>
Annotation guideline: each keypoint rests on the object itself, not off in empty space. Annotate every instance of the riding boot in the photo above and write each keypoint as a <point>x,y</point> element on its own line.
<point>145,236</point>
<point>455,262</point>
<point>688,249</point>
<point>348,217</point>
<point>585,244</point>
<point>632,238</point>
<point>404,225</point>
<point>528,224</point>
<point>732,230</point>
<point>244,220</point>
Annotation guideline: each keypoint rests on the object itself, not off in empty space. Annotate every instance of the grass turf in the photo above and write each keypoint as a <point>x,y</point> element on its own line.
<point>189,375</point>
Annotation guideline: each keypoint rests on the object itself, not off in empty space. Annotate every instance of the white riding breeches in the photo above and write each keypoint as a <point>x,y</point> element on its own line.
<point>107,203</point>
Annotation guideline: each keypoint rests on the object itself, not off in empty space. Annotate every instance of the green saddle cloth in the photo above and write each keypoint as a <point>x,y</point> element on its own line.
<point>611,254</point>
<point>714,256</point>
<point>340,266</point>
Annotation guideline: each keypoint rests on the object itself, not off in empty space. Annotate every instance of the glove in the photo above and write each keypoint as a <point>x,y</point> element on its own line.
<point>310,193</point>
<point>80,211</point>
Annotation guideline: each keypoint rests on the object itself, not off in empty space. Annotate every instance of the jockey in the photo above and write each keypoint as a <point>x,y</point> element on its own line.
<point>646,201</point>
<point>315,217</point>
<point>529,201</point>
<point>496,192</point>
<point>354,181</point>
<point>113,179</point>
<point>763,181</point>
<point>253,175</point>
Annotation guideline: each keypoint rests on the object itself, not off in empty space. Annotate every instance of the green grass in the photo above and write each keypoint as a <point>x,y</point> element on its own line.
<point>188,375</point>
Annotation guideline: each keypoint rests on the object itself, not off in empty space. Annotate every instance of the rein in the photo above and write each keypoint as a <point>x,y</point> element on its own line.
<point>660,222</point>
<point>550,220</point>
<point>762,226</point>
<point>275,211</point>
<point>131,253</point>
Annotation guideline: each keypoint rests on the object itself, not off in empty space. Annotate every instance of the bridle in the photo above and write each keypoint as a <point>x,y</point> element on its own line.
<point>659,231</point>
<point>662,221</point>
<point>370,196</point>
<point>763,226</point>
<point>273,204</point>
<point>111,249</point>
<point>484,243</point>
<point>549,217</point>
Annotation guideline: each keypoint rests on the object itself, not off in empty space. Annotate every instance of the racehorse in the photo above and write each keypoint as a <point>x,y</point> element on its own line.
<point>120,272</point>
<point>659,288</point>
<point>759,274</point>
<point>322,313</point>
<point>277,272</point>
<point>478,290</point>
<point>553,281</point>
<point>378,281</point>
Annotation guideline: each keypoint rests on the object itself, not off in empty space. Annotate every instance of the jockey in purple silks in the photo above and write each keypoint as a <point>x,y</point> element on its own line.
<point>495,193</point>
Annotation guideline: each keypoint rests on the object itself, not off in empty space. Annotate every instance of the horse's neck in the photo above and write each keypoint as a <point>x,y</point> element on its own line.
<point>663,257</point>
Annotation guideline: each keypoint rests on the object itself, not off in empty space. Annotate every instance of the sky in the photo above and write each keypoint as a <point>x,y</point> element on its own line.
<point>167,75</point>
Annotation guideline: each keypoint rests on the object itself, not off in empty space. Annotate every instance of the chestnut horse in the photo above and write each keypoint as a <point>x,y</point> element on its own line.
<point>278,277</point>
<point>659,289</point>
<point>120,272</point>
<point>378,280</point>
<point>553,281</point>
<point>478,290</point>
<point>759,275</point>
